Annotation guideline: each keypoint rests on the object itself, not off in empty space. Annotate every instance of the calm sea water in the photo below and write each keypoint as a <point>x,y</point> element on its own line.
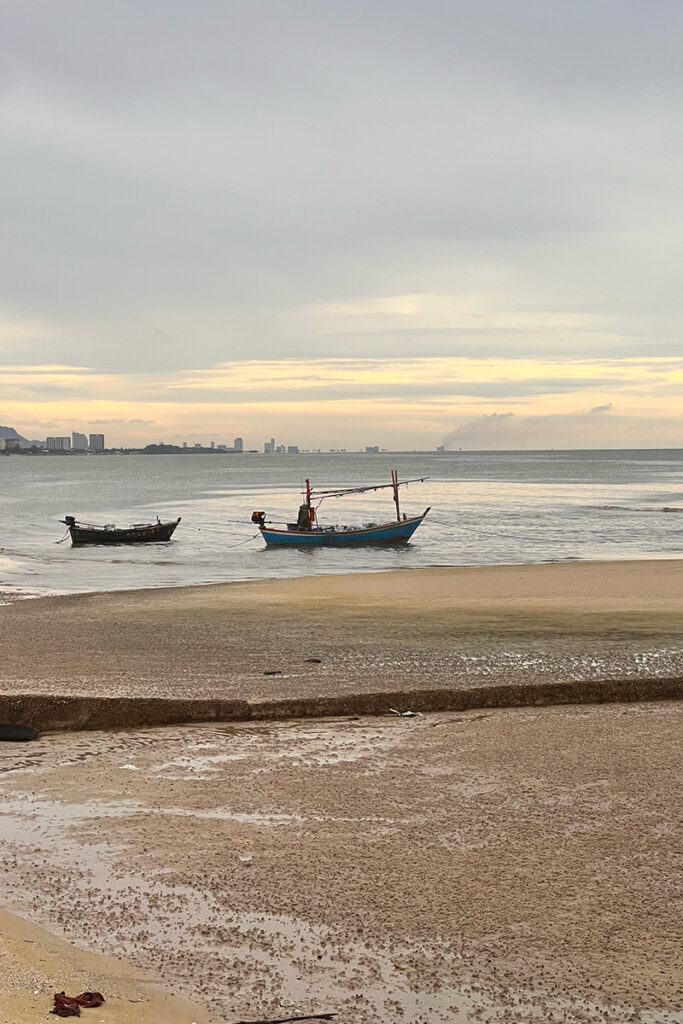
<point>487,508</point>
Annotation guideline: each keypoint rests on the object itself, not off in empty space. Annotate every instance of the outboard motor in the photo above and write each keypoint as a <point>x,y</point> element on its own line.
<point>259,518</point>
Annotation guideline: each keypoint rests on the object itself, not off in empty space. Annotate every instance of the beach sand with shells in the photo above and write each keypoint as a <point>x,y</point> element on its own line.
<point>508,865</point>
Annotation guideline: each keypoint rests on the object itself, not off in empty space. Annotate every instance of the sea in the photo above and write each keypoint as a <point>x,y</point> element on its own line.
<point>487,508</point>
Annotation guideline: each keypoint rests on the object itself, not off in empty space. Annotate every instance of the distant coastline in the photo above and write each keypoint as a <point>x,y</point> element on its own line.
<point>171,449</point>
<point>150,449</point>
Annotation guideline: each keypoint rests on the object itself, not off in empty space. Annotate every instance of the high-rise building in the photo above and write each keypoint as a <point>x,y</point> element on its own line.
<point>292,449</point>
<point>238,444</point>
<point>97,442</point>
<point>58,444</point>
<point>79,442</point>
<point>269,447</point>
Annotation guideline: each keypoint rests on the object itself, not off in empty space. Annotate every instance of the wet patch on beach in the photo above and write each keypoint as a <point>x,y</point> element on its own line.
<point>488,661</point>
<point>449,867</point>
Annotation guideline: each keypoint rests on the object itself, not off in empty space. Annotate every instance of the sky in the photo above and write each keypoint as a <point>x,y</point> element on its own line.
<point>343,223</point>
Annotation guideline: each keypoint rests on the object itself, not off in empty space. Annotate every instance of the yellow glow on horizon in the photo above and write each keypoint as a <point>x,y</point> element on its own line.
<point>254,374</point>
<point>376,397</point>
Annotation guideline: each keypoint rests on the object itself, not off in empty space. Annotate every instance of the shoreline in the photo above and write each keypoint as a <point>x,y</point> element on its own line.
<point>577,566</point>
<point>8,597</point>
<point>346,644</point>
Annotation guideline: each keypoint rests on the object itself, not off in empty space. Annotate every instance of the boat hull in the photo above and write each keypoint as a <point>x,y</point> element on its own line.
<point>387,533</point>
<point>152,534</point>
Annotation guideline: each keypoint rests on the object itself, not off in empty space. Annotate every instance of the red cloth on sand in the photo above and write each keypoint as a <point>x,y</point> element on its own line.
<point>70,1006</point>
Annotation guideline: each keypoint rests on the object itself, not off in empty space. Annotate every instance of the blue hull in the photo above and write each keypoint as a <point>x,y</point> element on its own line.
<point>389,533</point>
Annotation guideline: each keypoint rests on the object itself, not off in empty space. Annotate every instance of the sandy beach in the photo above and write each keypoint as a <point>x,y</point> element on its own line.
<point>494,865</point>
<point>35,964</point>
<point>383,631</point>
<point>518,864</point>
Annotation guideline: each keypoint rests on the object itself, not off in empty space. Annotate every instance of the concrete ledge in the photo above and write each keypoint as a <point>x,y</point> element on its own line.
<point>74,713</point>
<point>48,713</point>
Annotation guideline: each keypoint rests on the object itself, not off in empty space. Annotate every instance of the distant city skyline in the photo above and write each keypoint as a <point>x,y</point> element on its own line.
<point>96,442</point>
<point>78,442</point>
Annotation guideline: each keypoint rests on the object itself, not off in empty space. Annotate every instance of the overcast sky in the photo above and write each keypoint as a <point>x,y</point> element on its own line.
<point>343,223</point>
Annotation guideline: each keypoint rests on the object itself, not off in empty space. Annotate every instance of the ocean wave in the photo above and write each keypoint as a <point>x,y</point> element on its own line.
<point>636,508</point>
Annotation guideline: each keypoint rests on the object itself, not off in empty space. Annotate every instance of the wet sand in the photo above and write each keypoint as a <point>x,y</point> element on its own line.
<point>496,866</point>
<point>34,965</point>
<point>370,632</point>
<point>512,865</point>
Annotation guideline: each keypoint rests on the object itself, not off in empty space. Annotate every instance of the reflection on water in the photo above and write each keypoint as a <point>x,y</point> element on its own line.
<point>487,508</point>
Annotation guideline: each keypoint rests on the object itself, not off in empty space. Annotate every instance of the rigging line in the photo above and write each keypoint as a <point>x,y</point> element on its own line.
<point>222,533</point>
<point>483,533</point>
<point>219,530</point>
<point>338,492</point>
<point>230,522</point>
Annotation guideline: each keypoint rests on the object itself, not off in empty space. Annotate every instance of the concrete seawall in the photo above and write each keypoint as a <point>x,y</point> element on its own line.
<point>47,713</point>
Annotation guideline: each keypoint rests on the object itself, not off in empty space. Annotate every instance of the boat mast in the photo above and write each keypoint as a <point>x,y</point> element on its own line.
<point>394,481</point>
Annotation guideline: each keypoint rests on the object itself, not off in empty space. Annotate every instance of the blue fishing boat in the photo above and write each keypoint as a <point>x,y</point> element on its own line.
<point>307,531</point>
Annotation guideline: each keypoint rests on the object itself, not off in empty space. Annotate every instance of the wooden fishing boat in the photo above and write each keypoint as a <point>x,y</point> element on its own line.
<point>138,533</point>
<point>307,531</point>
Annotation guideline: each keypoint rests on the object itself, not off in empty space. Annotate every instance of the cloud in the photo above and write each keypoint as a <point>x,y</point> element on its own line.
<point>192,195</point>
<point>117,421</point>
<point>483,428</point>
<point>581,429</point>
<point>238,175</point>
<point>42,370</point>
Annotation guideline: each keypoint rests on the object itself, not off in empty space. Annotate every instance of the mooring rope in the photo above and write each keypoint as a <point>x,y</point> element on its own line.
<point>241,542</point>
<point>507,535</point>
